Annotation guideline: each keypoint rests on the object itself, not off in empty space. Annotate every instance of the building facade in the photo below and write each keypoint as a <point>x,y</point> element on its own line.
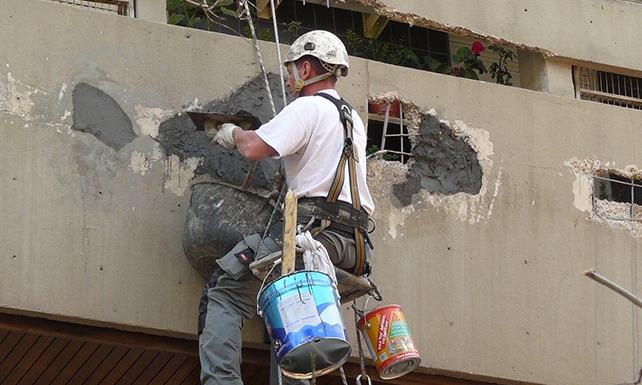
<point>499,199</point>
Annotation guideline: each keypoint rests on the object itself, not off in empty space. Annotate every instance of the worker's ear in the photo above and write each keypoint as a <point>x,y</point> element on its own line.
<point>306,70</point>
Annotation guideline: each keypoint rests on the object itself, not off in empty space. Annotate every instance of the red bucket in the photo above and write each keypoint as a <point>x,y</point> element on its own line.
<point>389,341</point>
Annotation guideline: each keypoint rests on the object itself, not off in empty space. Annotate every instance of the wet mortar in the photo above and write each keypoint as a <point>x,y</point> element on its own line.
<point>443,163</point>
<point>179,136</point>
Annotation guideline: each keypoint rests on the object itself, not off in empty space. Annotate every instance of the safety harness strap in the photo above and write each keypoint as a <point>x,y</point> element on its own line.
<point>349,157</point>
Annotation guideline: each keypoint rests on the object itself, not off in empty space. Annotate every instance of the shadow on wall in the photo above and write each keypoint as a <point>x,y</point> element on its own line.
<point>444,163</point>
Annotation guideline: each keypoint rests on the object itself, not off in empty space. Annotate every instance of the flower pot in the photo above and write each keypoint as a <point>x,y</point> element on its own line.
<point>380,109</point>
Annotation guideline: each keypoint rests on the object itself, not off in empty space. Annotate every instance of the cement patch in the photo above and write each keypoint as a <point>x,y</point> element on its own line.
<point>178,136</point>
<point>98,114</point>
<point>443,163</point>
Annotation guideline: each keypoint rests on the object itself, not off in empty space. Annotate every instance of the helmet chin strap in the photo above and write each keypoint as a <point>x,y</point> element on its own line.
<point>299,83</point>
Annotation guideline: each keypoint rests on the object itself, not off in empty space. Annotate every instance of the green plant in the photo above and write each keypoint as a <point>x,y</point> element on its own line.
<point>387,156</point>
<point>293,28</point>
<point>265,34</point>
<point>353,41</point>
<point>471,65</point>
<point>603,192</point>
<point>191,13</point>
<point>498,70</point>
<point>374,49</point>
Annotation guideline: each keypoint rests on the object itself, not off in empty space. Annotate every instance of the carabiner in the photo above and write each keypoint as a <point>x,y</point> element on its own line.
<point>359,379</point>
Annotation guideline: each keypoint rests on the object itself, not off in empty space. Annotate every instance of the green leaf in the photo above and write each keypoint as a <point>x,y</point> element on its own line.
<point>444,68</point>
<point>193,21</point>
<point>175,18</point>
<point>229,12</point>
<point>432,63</point>
<point>465,53</point>
<point>173,4</point>
<point>224,3</point>
<point>470,74</point>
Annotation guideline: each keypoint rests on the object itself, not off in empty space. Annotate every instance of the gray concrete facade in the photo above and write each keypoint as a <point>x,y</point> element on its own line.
<point>97,157</point>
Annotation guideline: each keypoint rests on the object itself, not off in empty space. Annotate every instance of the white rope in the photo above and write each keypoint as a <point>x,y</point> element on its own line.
<point>278,51</point>
<point>260,56</point>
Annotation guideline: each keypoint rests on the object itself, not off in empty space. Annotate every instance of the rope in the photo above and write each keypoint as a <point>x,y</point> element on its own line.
<point>362,362</point>
<point>278,50</point>
<point>259,55</point>
<point>343,376</point>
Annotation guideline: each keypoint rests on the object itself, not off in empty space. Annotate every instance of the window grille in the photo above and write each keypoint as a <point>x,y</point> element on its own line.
<point>388,136</point>
<point>608,88</point>
<point>119,7</point>
<point>617,197</point>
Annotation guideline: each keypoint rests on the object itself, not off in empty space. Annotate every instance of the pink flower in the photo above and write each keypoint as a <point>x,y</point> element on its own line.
<point>477,48</point>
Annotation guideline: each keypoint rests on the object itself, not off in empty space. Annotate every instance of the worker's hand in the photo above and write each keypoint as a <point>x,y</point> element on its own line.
<point>225,136</point>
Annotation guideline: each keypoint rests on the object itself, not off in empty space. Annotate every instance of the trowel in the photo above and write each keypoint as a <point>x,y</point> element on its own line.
<point>211,122</point>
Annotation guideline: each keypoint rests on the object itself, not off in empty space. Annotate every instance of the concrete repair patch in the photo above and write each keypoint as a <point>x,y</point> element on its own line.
<point>178,136</point>
<point>98,114</point>
<point>443,163</point>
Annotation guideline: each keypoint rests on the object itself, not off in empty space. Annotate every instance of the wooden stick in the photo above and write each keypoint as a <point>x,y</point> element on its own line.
<point>599,279</point>
<point>289,233</point>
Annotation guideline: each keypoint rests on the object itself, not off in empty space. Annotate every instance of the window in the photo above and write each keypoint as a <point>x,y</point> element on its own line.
<point>617,197</point>
<point>119,7</point>
<point>388,135</point>
<point>608,88</point>
<point>394,45</point>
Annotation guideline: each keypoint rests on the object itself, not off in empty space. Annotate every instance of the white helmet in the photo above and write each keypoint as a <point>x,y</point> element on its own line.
<point>323,45</point>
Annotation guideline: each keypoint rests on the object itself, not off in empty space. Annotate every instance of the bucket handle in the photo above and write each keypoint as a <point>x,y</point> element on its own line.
<point>359,379</point>
<point>258,295</point>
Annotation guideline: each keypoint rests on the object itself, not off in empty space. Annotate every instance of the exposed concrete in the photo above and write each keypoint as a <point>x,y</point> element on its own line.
<point>600,210</point>
<point>560,78</point>
<point>532,71</point>
<point>151,10</point>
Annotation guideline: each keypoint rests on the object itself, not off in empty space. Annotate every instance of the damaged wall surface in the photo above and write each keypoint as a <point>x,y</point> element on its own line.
<point>479,237</point>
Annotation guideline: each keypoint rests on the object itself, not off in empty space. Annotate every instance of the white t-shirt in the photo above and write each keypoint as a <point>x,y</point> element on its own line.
<point>308,135</point>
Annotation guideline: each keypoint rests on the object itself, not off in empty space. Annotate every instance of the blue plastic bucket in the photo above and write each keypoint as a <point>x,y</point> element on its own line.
<point>303,316</point>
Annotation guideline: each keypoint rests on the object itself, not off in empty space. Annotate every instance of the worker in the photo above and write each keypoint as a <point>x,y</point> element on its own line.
<point>310,137</point>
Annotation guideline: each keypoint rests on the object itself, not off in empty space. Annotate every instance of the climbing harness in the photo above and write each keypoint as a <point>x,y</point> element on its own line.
<point>349,157</point>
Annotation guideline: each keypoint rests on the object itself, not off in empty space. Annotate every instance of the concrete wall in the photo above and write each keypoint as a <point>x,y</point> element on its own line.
<point>490,282</point>
<point>607,29</point>
<point>151,10</point>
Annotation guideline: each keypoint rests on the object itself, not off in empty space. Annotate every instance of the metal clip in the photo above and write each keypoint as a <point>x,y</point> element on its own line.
<point>359,379</point>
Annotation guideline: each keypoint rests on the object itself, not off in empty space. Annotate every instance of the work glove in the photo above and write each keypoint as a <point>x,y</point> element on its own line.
<point>225,136</point>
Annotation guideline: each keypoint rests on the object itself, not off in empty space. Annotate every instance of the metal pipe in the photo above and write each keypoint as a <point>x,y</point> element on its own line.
<point>599,279</point>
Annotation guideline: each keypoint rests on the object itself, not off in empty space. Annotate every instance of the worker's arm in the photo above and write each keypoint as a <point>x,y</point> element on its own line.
<point>251,146</point>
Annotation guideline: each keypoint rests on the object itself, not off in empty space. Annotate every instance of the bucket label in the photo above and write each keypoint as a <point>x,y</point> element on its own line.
<point>298,311</point>
<point>399,327</point>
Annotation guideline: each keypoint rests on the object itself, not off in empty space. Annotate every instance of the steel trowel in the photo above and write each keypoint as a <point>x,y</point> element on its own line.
<point>211,122</point>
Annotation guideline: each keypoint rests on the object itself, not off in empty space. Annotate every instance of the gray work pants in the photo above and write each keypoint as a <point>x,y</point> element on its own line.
<point>231,301</point>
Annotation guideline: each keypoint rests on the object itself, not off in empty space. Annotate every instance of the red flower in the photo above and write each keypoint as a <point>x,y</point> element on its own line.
<point>477,48</point>
<point>457,71</point>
